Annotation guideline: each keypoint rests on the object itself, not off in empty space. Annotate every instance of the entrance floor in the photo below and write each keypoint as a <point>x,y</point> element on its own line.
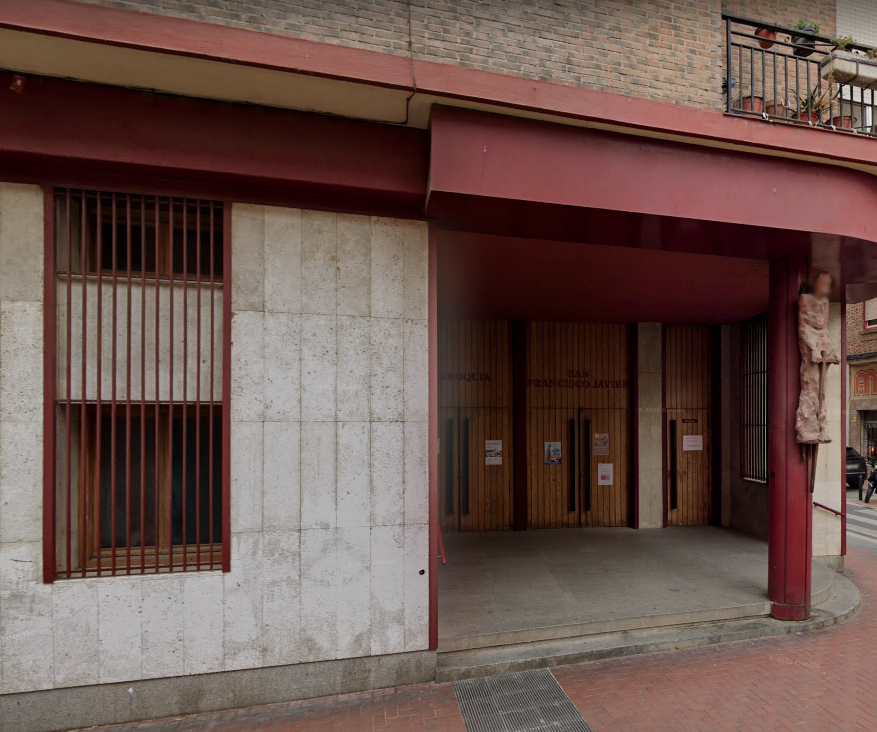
<point>505,587</point>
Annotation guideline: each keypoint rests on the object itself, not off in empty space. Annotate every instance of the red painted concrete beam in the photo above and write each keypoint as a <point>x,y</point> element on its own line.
<point>266,153</point>
<point>181,37</point>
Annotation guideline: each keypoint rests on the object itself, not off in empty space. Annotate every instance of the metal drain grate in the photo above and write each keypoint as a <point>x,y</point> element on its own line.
<point>521,702</point>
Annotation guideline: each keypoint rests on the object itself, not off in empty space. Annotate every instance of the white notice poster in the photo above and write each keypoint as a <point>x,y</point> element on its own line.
<point>601,443</point>
<point>692,443</point>
<point>605,473</point>
<point>493,452</point>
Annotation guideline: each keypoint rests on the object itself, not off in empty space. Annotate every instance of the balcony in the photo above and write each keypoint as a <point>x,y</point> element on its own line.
<point>795,76</point>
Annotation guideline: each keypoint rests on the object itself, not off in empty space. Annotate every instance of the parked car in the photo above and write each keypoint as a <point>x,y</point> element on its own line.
<point>857,471</point>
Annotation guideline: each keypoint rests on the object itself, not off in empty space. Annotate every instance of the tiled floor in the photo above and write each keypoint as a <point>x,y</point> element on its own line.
<point>821,680</point>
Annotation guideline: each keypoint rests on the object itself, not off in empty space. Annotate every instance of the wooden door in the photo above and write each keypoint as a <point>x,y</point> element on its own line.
<point>475,426</point>
<point>577,387</point>
<point>687,433</point>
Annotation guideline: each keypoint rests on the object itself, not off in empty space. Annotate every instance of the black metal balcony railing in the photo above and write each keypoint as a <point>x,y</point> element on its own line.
<point>795,76</point>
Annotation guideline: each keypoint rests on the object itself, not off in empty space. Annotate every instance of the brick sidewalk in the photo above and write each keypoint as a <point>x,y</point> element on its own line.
<point>822,680</point>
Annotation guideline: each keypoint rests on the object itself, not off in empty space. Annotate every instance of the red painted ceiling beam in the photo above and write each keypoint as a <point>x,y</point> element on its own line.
<point>162,34</point>
<point>66,124</point>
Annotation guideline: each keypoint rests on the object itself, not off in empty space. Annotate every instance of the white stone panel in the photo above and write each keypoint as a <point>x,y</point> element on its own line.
<point>318,474</point>
<point>416,269</point>
<point>246,476</point>
<point>282,476</point>
<point>318,263</point>
<point>163,627</point>
<point>282,369</point>
<point>120,633</point>
<point>354,369</point>
<point>248,257</point>
<point>650,404</point>
<point>319,595</point>
<point>416,472</point>
<point>91,323</point>
<point>281,598</point>
<point>21,475</point>
<point>243,603</point>
<point>416,376</point>
<point>354,265</point>
<point>21,361</point>
<point>282,260</point>
<point>387,590</point>
<point>387,459</point>
<point>318,367</point>
<point>354,474</point>
<point>21,242</point>
<point>203,633</point>
<point>247,367</point>
<point>21,566</point>
<point>75,632</point>
<point>26,639</point>
<point>352,565</point>
<point>387,370</point>
<point>416,587</point>
<point>387,265</point>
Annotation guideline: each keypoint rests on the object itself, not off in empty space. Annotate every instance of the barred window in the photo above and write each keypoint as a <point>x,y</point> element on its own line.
<point>139,480</point>
<point>753,399</point>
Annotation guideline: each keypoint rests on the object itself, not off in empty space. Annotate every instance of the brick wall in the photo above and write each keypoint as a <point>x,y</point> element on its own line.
<point>859,341</point>
<point>662,49</point>
<point>786,12</point>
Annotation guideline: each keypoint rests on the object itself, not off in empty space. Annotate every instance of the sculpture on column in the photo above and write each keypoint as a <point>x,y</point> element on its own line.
<point>817,354</point>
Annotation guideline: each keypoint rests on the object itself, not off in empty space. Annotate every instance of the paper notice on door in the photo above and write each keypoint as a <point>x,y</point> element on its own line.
<point>605,473</point>
<point>692,443</point>
<point>493,452</point>
<point>552,453</point>
<point>601,443</point>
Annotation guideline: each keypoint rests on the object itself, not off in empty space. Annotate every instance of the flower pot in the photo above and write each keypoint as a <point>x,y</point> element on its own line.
<point>776,108</point>
<point>810,117</point>
<point>845,121</point>
<point>768,37</point>
<point>804,42</point>
<point>752,104</point>
<point>845,67</point>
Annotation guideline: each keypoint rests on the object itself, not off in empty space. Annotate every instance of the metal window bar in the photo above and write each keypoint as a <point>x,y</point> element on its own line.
<point>786,79</point>
<point>753,399</point>
<point>139,480</point>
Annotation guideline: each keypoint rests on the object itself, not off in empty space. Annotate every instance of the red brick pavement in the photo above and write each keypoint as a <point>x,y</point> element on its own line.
<point>822,680</point>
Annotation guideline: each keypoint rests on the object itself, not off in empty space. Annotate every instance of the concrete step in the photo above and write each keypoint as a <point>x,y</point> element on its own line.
<point>840,604</point>
<point>821,584</point>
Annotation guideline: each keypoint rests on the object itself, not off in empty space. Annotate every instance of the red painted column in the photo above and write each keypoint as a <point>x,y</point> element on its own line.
<point>790,534</point>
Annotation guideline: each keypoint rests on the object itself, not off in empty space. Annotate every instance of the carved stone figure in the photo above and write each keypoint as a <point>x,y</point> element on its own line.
<point>817,353</point>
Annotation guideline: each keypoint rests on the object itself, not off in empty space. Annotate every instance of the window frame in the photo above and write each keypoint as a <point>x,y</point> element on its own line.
<point>865,327</point>
<point>51,411</point>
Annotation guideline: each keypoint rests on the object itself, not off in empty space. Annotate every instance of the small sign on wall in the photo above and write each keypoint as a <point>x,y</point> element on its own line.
<point>552,453</point>
<point>601,443</point>
<point>692,443</point>
<point>493,452</point>
<point>605,473</point>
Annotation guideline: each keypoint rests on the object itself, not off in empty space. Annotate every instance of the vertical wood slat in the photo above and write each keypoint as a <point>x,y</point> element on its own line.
<point>475,383</point>
<point>687,399</point>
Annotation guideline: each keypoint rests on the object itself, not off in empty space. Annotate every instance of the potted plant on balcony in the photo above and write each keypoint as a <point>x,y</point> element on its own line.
<point>814,105</point>
<point>766,36</point>
<point>845,65</point>
<point>752,103</point>
<point>805,38</point>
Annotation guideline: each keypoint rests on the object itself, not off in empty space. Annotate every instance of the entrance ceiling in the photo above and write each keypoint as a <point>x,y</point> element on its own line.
<point>486,276</point>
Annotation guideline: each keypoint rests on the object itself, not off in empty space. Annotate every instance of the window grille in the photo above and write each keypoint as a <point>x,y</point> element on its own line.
<point>753,399</point>
<point>138,422</point>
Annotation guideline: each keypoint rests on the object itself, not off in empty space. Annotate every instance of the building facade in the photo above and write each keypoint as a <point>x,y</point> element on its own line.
<point>287,292</point>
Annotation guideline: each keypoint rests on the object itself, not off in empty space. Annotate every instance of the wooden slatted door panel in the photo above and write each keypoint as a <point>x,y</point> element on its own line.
<point>449,422</point>
<point>601,430</point>
<point>577,372</point>
<point>475,382</point>
<point>486,493</point>
<point>687,434</point>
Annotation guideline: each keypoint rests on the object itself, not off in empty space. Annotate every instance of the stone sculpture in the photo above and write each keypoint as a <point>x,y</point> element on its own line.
<point>817,353</point>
